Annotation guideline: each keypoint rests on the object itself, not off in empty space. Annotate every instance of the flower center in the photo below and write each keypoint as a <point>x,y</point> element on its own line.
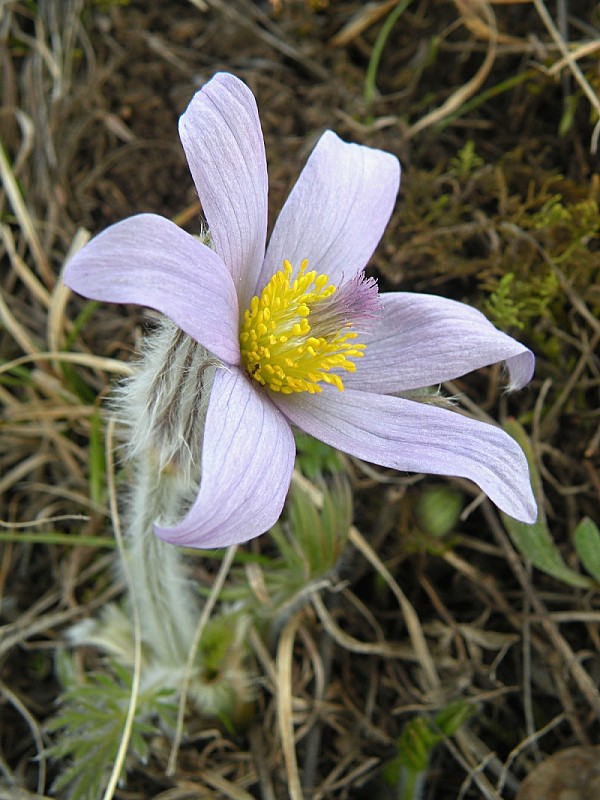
<point>296,332</point>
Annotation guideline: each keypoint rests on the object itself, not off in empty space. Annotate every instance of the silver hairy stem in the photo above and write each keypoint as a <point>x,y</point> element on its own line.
<point>161,410</point>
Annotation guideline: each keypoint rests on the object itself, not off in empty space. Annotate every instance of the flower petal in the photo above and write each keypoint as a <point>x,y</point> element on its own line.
<point>417,437</point>
<point>420,340</point>
<point>247,461</point>
<point>337,211</point>
<point>222,138</point>
<point>149,261</point>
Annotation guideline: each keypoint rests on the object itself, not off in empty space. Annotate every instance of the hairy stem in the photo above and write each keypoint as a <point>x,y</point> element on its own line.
<point>162,409</point>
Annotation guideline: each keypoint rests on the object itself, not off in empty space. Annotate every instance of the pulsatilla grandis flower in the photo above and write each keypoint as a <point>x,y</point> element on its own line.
<point>301,336</point>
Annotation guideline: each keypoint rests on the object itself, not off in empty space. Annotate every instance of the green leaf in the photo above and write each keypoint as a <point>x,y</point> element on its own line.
<point>534,542</point>
<point>373,66</point>
<point>419,738</point>
<point>453,716</point>
<point>97,461</point>
<point>314,457</point>
<point>439,510</point>
<point>587,545</point>
<point>88,727</point>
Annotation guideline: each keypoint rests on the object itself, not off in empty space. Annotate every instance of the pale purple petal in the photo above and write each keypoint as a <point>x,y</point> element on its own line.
<point>149,261</point>
<point>223,142</point>
<point>247,461</point>
<point>337,211</point>
<point>420,340</point>
<point>416,437</point>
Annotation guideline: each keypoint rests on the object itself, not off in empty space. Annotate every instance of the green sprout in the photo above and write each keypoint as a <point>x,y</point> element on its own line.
<point>407,772</point>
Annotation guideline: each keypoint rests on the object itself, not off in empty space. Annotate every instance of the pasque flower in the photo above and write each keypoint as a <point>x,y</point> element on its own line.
<point>300,335</point>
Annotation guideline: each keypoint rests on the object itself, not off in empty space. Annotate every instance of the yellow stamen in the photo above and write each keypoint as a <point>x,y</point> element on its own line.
<point>279,347</point>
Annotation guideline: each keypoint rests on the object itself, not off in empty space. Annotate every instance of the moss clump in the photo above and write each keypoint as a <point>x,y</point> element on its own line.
<point>506,235</point>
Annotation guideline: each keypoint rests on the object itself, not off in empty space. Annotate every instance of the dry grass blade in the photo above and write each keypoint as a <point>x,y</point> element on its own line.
<point>21,269</point>
<point>189,667</point>
<point>16,330</point>
<point>119,764</point>
<point>35,730</point>
<point>58,323</point>
<point>22,469</point>
<point>83,359</point>
<point>362,21</point>
<point>285,696</point>
<point>581,51</point>
<point>411,619</point>
<point>25,221</point>
<point>461,95</point>
<point>584,681</point>
<point>251,18</point>
<point>573,67</point>
<point>523,745</point>
<point>226,788</point>
<point>383,649</point>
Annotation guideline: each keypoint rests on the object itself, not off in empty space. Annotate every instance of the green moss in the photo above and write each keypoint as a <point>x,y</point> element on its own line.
<point>516,302</point>
<point>511,233</point>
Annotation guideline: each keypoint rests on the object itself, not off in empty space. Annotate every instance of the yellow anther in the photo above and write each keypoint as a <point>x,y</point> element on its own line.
<point>281,349</point>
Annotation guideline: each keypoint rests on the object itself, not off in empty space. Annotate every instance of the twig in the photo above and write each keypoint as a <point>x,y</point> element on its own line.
<point>189,667</point>
<point>573,66</point>
<point>285,651</point>
<point>136,623</point>
<point>460,96</point>
<point>580,676</point>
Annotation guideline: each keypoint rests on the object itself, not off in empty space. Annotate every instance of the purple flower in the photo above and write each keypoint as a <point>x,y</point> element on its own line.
<point>301,336</point>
